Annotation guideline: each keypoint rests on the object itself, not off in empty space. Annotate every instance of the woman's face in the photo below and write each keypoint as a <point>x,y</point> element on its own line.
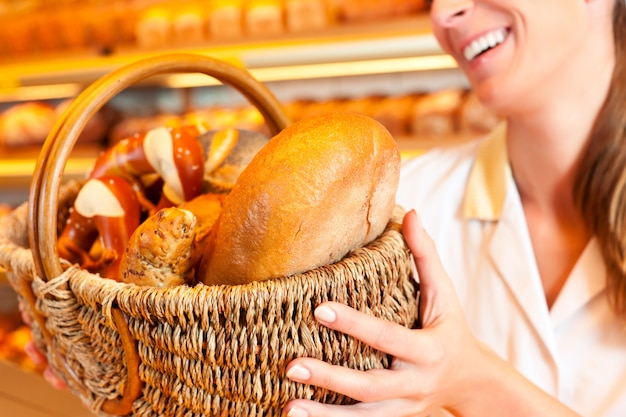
<point>512,49</point>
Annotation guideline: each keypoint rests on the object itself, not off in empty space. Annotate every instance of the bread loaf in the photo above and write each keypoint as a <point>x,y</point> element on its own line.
<point>319,189</point>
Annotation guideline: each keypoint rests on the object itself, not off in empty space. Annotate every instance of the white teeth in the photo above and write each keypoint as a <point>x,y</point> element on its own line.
<point>483,43</point>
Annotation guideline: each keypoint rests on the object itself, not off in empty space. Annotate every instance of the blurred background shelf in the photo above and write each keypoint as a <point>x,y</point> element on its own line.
<point>398,45</point>
<point>359,65</point>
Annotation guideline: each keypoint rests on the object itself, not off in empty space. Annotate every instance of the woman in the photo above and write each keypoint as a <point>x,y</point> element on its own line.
<point>530,228</point>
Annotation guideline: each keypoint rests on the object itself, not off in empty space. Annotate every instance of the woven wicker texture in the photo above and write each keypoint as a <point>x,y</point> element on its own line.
<point>212,351</point>
<point>187,351</point>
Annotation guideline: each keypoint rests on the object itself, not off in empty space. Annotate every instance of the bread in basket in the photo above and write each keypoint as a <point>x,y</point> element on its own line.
<point>188,351</point>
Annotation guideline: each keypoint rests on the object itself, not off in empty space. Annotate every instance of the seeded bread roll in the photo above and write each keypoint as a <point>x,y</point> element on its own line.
<point>160,251</point>
<point>319,189</point>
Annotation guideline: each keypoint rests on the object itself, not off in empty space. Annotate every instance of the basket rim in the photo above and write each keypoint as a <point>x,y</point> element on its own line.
<point>269,288</point>
<point>47,178</point>
<point>391,235</point>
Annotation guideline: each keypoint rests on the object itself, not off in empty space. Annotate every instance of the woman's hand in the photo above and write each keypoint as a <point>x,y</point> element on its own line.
<point>441,365</point>
<point>431,366</point>
<point>39,358</point>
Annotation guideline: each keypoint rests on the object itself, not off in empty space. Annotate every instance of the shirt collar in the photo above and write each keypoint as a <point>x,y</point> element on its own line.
<point>489,178</point>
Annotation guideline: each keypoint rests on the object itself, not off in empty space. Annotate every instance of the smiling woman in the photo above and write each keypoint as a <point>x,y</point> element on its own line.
<point>523,268</point>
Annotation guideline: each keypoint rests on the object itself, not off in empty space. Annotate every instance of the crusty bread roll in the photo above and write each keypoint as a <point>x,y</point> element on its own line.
<point>189,24</point>
<point>26,123</point>
<point>263,17</point>
<point>305,15</point>
<point>435,115</point>
<point>207,208</point>
<point>228,152</point>
<point>319,189</point>
<point>475,117</point>
<point>225,19</point>
<point>160,252</point>
<point>154,27</point>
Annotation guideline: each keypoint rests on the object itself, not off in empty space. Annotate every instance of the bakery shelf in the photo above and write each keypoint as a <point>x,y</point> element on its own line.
<point>399,45</point>
<point>18,164</point>
<point>403,45</point>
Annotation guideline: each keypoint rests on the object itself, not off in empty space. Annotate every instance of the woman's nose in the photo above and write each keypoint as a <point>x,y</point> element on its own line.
<point>448,12</point>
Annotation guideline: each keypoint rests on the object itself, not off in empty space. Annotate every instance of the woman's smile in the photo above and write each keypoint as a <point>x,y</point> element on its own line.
<point>484,43</point>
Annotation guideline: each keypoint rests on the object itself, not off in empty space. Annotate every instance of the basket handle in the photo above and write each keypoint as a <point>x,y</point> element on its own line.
<point>46,182</point>
<point>43,195</point>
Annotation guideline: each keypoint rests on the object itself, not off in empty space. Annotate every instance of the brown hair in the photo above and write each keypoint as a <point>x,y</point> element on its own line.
<point>600,188</point>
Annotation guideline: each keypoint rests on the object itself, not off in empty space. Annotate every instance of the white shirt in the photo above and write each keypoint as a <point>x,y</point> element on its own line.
<point>469,204</point>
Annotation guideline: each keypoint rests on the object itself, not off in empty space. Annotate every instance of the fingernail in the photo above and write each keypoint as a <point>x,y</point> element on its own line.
<point>325,314</point>
<point>420,224</point>
<point>298,373</point>
<point>418,219</point>
<point>297,412</point>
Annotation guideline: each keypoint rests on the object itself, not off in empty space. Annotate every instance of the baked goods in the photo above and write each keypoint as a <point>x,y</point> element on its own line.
<point>394,113</point>
<point>373,10</point>
<point>189,24</point>
<point>225,19</point>
<point>109,206</point>
<point>319,189</point>
<point>228,152</point>
<point>160,251</point>
<point>164,250</point>
<point>154,28</point>
<point>475,117</point>
<point>366,10</point>
<point>207,208</point>
<point>263,17</point>
<point>304,15</point>
<point>18,33</point>
<point>26,123</point>
<point>435,115</point>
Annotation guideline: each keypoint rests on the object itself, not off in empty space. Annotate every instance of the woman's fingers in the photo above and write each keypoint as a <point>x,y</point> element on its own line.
<point>35,354</point>
<point>437,294</point>
<point>369,386</point>
<point>427,361</point>
<point>427,260</point>
<point>437,298</point>
<point>383,335</point>
<point>38,357</point>
<point>349,382</point>
<point>25,316</point>
<point>399,407</point>
<point>53,379</point>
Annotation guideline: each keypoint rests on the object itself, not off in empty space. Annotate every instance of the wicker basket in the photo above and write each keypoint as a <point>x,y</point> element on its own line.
<point>188,351</point>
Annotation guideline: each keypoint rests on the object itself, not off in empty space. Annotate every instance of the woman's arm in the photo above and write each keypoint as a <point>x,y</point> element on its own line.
<point>441,365</point>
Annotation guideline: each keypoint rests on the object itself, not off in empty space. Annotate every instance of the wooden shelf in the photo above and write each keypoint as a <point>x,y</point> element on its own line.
<point>380,48</point>
<point>18,164</point>
<point>65,74</point>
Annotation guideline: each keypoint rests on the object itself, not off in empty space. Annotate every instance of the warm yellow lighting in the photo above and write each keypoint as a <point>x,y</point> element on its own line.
<point>41,92</point>
<point>19,168</point>
<point>370,67</point>
<point>324,70</point>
